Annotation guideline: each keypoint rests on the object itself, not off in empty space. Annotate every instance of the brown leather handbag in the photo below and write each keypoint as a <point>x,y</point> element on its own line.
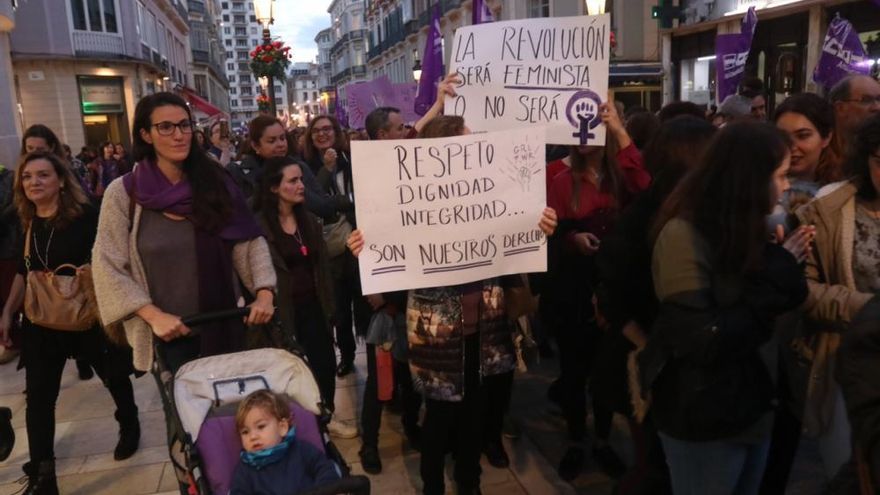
<point>59,302</point>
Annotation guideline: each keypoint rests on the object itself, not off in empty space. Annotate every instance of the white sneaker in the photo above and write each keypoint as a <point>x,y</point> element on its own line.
<point>340,429</point>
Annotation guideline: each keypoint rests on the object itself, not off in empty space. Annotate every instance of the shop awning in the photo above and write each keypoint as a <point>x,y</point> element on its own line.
<point>623,70</point>
<point>200,104</point>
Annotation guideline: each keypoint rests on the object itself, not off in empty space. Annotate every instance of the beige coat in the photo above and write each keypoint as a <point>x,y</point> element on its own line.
<point>833,300</point>
<point>121,283</point>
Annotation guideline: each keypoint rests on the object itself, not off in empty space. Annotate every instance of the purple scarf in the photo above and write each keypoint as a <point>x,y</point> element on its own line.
<point>149,187</point>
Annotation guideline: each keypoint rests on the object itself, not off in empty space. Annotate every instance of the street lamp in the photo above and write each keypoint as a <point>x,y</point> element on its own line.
<point>417,67</point>
<point>264,13</point>
<point>595,7</point>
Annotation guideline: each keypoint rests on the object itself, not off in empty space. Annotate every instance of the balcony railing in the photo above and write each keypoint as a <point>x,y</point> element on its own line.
<point>349,36</point>
<point>197,7</point>
<point>445,6</point>
<point>356,71</point>
<point>85,42</point>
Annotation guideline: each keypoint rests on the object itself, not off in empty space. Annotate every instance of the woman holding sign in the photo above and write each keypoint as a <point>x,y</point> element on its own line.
<point>466,369</point>
<point>588,195</point>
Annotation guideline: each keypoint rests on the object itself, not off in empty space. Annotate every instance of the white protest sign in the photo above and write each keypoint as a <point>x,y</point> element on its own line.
<point>550,71</point>
<point>447,211</point>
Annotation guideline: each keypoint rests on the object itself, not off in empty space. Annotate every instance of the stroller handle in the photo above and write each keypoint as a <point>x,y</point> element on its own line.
<point>356,485</point>
<point>226,314</point>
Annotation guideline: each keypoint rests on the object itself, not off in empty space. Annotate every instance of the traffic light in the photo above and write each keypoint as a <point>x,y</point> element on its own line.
<point>666,12</point>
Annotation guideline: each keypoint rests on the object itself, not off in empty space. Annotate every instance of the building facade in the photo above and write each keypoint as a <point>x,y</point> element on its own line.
<point>108,54</point>
<point>324,41</point>
<point>10,124</point>
<point>206,43</point>
<point>304,93</point>
<point>398,30</point>
<point>784,52</point>
<point>348,55</point>
<point>241,34</point>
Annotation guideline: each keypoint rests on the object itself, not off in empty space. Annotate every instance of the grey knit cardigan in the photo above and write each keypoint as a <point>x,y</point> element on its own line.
<point>121,283</point>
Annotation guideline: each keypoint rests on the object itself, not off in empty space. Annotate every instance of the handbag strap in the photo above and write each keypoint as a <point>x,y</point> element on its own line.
<point>27,247</point>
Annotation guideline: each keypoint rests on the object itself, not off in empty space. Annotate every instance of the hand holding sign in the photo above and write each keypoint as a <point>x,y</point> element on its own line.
<point>548,71</point>
<point>450,210</point>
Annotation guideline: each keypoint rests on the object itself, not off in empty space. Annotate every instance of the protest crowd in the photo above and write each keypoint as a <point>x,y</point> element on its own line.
<point>711,276</point>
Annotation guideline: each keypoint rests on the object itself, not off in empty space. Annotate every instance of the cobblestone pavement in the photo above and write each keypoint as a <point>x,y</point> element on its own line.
<point>86,434</point>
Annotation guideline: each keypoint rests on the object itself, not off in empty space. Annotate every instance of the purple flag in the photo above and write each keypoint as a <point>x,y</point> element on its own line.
<point>731,54</point>
<point>876,2</point>
<point>842,54</point>
<point>482,13</point>
<point>432,65</point>
<point>364,97</point>
<point>406,99</point>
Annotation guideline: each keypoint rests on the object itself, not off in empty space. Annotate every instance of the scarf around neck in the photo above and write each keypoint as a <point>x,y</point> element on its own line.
<point>148,187</point>
<point>262,458</point>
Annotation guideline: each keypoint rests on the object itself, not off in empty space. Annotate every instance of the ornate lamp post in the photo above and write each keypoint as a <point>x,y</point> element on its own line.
<point>417,66</point>
<point>595,7</point>
<point>264,13</point>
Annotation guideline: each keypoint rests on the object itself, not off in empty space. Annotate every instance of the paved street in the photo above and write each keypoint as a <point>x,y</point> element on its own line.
<point>86,435</point>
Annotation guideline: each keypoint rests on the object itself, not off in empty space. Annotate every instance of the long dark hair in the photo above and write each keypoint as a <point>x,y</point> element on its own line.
<point>865,144</point>
<point>41,131</point>
<point>258,126</point>
<point>726,198</point>
<point>212,202</point>
<point>612,178</point>
<point>266,203</point>
<point>676,148</point>
<point>309,151</point>
<point>820,113</point>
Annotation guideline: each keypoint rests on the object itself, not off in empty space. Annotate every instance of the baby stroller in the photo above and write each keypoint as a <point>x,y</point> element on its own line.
<point>202,397</point>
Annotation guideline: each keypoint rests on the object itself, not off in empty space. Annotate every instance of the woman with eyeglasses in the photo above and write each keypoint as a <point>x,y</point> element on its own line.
<point>326,151</point>
<point>173,237</point>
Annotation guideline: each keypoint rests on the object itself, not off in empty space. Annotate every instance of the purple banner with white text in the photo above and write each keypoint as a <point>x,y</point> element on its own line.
<point>842,54</point>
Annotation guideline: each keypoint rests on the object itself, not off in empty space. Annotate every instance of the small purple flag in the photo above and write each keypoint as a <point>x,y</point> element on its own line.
<point>876,2</point>
<point>731,54</point>
<point>482,13</point>
<point>432,66</point>
<point>842,54</point>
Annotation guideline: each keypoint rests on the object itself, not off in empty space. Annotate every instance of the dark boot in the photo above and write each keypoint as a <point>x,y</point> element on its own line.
<point>40,478</point>
<point>84,369</point>
<point>7,434</point>
<point>129,438</point>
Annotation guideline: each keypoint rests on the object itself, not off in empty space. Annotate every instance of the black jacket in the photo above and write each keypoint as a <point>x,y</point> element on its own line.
<point>701,364</point>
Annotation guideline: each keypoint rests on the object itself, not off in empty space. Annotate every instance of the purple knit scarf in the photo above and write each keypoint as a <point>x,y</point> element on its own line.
<point>149,187</point>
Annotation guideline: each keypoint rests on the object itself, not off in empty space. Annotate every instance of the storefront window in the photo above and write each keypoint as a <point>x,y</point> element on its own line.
<point>103,109</point>
<point>697,78</point>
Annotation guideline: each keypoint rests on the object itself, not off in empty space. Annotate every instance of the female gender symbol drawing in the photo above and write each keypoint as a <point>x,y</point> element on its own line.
<point>583,113</point>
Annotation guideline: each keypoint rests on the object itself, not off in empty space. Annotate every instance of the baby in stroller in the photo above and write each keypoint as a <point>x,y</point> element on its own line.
<point>272,460</point>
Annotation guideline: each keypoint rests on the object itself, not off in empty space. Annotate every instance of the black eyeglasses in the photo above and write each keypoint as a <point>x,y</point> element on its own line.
<point>866,101</point>
<point>166,128</point>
